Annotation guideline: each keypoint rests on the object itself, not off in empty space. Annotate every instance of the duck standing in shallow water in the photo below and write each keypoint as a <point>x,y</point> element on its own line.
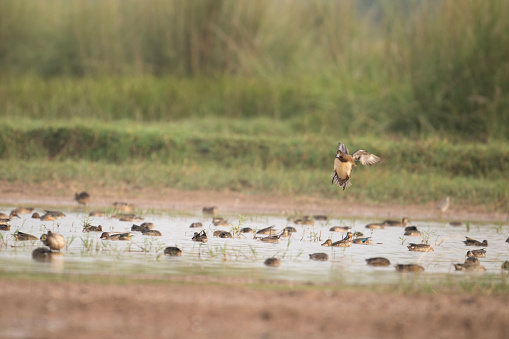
<point>82,198</point>
<point>344,164</point>
<point>54,241</point>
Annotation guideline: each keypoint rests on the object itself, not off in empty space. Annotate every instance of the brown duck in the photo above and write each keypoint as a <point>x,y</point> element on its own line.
<point>82,198</point>
<point>344,164</point>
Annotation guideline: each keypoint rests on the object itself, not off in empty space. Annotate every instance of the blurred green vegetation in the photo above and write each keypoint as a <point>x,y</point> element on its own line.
<point>393,67</point>
<point>259,93</point>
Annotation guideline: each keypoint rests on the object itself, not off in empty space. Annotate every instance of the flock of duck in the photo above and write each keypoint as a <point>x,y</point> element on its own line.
<point>54,242</point>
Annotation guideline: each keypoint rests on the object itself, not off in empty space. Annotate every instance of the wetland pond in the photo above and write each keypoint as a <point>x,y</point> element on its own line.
<point>243,256</point>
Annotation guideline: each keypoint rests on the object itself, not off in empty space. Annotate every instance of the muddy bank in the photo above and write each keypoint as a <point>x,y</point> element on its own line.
<point>232,202</point>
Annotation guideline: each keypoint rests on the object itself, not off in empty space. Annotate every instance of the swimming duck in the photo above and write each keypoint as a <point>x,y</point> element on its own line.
<point>272,262</point>
<point>362,241</point>
<point>344,164</point>
<point>507,240</point>
<point>152,233</point>
<point>123,207</point>
<point>267,230</point>
<point>290,229</point>
<point>320,217</point>
<point>97,214</point>
<point>56,214</point>
<point>200,237</point>
<point>116,236</point>
<point>23,210</point>
<point>54,241</point>
<point>5,227</point>
<point>47,217</point>
<point>375,226</point>
<point>173,251</point>
<point>378,261</point>
<point>456,223</point>
<point>130,217</point>
<point>473,242</point>
<point>90,228</point>
<point>20,236</point>
<point>222,234</point>
<point>412,231</point>
<point>209,210</point>
<point>420,248</point>
<point>402,223</point>
<point>11,215</point>
<point>358,234</point>
<point>221,222</point>
<point>305,220</point>
<point>319,256</point>
<point>341,229</point>
<point>477,253</point>
<point>36,216</point>
<point>271,238</point>
<point>82,198</point>
<point>196,225</point>
<point>471,264</point>
<point>346,242</point>
<point>505,265</point>
<point>225,234</point>
<point>409,268</point>
<point>246,230</point>
<point>443,205</point>
<point>42,254</point>
<point>138,228</point>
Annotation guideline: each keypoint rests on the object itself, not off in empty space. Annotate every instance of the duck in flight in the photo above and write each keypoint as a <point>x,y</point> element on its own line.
<point>344,163</point>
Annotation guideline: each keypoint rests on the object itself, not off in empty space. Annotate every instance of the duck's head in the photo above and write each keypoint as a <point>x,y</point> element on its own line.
<point>328,242</point>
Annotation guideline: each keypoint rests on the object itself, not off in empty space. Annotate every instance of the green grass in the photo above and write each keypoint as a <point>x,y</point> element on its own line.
<point>493,285</point>
<point>258,93</point>
<point>240,155</point>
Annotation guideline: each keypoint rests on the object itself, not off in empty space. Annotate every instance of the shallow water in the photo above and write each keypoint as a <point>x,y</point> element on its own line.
<point>245,256</point>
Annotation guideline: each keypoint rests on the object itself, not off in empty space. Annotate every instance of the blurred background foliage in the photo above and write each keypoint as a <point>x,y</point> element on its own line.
<point>259,92</point>
<point>396,67</point>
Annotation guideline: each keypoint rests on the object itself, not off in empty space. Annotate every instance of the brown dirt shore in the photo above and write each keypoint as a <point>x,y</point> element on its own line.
<point>60,194</point>
<point>35,309</point>
<point>32,308</point>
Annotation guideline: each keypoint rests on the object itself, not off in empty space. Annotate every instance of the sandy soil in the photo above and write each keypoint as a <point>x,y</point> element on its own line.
<point>201,309</point>
<point>82,310</point>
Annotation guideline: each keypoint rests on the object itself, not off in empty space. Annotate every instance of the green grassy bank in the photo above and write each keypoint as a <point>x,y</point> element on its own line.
<point>256,156</point>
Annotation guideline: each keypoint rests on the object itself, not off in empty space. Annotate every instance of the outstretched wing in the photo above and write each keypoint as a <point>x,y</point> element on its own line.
<point>342,148</point>
<point>366,158</point>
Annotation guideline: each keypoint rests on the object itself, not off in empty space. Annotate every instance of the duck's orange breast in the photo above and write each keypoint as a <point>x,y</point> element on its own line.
<point>343,169</point>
